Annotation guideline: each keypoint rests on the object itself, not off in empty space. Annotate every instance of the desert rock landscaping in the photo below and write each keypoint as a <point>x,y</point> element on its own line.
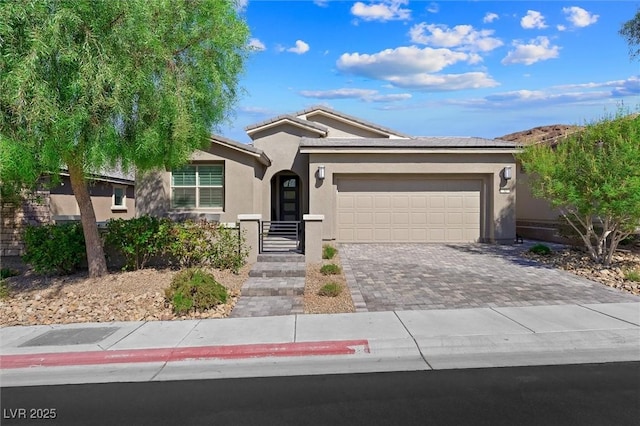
<point>32,299</point>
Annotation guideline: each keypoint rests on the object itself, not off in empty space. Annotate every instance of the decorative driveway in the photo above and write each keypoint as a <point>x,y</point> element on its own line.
<point>386,277</point>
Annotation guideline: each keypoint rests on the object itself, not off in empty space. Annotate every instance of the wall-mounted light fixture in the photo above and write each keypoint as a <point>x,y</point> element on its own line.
<point>320,172</point>
<point>506,173</point>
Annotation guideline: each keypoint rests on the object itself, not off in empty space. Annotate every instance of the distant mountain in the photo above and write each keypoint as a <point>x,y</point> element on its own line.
<point>542,134</point>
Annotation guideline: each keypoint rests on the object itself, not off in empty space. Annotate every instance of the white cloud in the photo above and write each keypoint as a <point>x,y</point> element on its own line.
<point>366,95</point>
<point>321,3</point>
<point>579,17</point>
<point>461,36</point>
<point>414,67</point>
<point>300,48</point>
<point>561,27</point>
<point>533,20</point>
<point>433,8</point>
<point>382,10</point>
<point>399,61</point>
<point>444,82</point>
<point>489,17</point>
<point>538,49</point>
<point>257,45</point>
<point>570,94</point>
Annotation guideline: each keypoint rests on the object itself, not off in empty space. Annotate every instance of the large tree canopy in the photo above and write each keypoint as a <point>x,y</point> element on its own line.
<point>593,178</point>
<point>630,30</point>
<point>88,85</point>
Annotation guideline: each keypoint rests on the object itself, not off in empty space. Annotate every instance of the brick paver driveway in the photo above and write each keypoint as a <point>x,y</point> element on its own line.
<point>385,277</point>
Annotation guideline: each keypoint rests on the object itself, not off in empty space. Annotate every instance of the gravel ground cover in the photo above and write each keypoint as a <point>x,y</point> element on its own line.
<point>139,295</point>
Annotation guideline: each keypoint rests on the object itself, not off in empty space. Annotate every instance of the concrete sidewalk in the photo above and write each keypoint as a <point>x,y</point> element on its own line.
<point>319,344</point>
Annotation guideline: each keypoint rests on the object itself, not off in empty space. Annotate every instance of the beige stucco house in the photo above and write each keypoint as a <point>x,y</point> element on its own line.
<point>368,183</point>
<point>112,194</point>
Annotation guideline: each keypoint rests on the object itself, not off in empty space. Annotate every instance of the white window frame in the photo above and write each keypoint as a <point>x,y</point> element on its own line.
<point>197,187</point>
<point>123,206</point>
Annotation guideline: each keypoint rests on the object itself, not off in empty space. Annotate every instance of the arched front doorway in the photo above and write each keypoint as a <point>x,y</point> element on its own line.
<point>285,196</point>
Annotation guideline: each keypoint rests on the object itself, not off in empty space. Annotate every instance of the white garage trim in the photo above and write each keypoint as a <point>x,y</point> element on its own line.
<point>399,209</point>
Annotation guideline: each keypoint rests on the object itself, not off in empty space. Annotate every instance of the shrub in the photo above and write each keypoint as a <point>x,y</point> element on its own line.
<point>194,289</point>
<point>540,249</point>
<point>54,249</point>
<point>190,243</point>
<point>330,269</point>
<point>328,252</point>
<point>330,290</point>
<point>138,239</point>
<point>229,250</point>
<point>632,275</point>
<point>4,289</point>
<point>8,272</point>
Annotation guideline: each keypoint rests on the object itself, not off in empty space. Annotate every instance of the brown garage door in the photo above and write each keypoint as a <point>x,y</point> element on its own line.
<point>408,210</point>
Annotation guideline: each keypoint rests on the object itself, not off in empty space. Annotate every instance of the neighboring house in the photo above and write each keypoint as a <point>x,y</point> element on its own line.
<point>112,194</point>
<point>371,183</point>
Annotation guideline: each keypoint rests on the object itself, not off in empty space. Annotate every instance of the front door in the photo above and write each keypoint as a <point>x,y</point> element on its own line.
<point>289,198</point>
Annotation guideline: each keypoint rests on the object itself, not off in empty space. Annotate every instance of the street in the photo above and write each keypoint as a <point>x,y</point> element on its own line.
<point>589,394</point>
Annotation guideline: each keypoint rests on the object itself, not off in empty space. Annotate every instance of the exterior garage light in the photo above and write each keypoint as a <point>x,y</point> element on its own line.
<point>320,172</point>
<point>506,173</point>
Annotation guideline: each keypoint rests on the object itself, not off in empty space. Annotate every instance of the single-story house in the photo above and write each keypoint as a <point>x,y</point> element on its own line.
<point>369,183</point>
<point>112,193</point>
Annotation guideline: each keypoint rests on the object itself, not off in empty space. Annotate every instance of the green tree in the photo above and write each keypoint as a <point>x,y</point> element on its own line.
<point>89,85</point>
<point>630,30</point>
<point>593,178</point>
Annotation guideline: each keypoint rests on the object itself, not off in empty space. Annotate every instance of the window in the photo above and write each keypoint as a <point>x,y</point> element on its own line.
<point>119,198</point>
<point>199,186</point>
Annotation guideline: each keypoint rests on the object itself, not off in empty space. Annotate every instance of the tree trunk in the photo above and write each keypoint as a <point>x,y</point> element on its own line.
<point>95,252</point>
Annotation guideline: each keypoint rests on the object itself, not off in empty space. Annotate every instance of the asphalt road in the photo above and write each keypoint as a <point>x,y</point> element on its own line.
<point>594,394</point>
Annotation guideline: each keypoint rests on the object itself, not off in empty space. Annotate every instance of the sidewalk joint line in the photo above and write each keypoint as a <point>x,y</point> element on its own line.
<point>511,319</point>
<point>610,316</point>
<point>121,339</point>
<point>414,341</point>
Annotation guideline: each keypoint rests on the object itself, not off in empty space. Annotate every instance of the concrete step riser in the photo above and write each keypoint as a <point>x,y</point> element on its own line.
<point>262,292</point>
<point>274,273</point>
<point>280,258</point>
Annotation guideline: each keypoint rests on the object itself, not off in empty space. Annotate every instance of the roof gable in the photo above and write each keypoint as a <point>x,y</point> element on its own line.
<point>286,119</point>
<point>321,113</point>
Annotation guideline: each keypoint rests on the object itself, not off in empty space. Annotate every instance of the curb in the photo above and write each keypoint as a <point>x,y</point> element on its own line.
<point>233,352</point>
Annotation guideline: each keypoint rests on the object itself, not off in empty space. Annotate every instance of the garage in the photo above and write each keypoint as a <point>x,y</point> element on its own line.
<point>400,209</point>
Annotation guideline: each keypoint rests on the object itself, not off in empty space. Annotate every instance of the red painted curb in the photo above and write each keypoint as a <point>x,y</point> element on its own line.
<point>337,347</point>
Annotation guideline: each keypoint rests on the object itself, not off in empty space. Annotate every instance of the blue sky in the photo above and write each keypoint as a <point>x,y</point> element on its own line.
<point>442,68</point>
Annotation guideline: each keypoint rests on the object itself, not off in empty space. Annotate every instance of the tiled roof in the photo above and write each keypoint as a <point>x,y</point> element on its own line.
<point>294,119</point>
<point>350,118</point>
<point>242,147</point>
<point>417,142</point>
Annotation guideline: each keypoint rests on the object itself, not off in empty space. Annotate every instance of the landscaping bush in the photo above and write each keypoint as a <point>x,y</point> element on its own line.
<point>194,289</point>
<point>330,290</point>
<point>54,249</point>
<point>138,239</point>
<point>4,289</point>
<point>190,244</point>
<point>330,269</point>
<point>328,252</point>
<point>8,272</point>
<point>632,275</point>
<point>229,250</point>
<point>540,249</point>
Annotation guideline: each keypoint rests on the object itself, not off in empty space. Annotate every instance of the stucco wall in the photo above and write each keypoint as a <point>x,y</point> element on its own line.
<point>536,219</point>
<point>282,147</point>
<point>498,209</point>
<point>63,202</point>
<point>242,188</point>
<point>340,129</point>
